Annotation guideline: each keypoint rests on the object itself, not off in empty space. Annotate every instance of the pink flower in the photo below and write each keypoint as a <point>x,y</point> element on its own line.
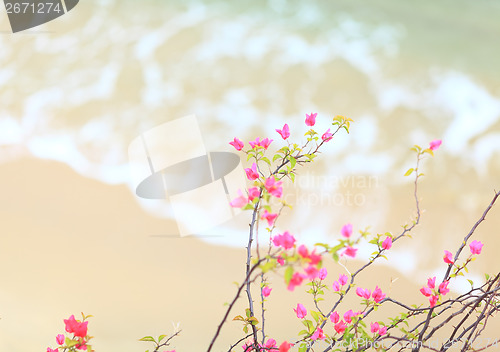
<point>318,335</point>
<point>51,350</point>
<point>346,230</point>
<point>382,331</point>
<point>280,260</point>
<point>303,252</point>
<point>350,251</point>
<point>475,247</point>
<point>443,287</point>
<point>270,343</point>
<point>261,143</point>
<point>269,217</point>
<point>301,311</point>
<point>435,144</point>
<point>237,144</point>
<point>296,280</point>
<point>285,346</point>
<point>433,300</point>
<point>253,193</point>
<point>311,119</point>
<point>364,293</point>
<point>426,291</point>
<point>266,291</point>
<point>322,273</point>
<point>448,257</point>
<point>374,327</point>
<point>378,295</point>
<point>314,258</point>
<point>431,282</point>
<point>284,240</point>
<point>336,286</point>
<point>274,188</point>
<point>387,244</point>
<point>348,316</point>
<point>252,173</point>
<point>334,317</point>
<point>240,201</point>
<point>343,279</point>
<point>327,136</point>
<point>312,272</point>
<point>75,327</point>
<point>340,327</point>
<point>285,132</point>
<point>60,339</point>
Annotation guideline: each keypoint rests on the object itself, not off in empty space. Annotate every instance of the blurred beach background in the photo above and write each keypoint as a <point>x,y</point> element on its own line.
<point>76,91</point>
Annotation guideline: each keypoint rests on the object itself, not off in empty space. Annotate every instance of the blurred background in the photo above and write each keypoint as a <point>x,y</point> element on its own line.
<point>76,91</point>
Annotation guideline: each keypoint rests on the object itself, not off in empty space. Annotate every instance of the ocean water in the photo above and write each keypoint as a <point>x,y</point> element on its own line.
<point>79,89</point>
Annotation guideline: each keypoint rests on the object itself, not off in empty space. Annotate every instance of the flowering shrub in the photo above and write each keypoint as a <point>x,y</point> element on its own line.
<point>330,325</point>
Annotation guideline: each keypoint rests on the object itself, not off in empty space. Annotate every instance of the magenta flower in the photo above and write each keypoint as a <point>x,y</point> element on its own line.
<point>269,217</point>
<point>314,258</point>
<point>266,291</point>
<point>252,173</point>
<point>334,317</point>
<point>348,316</point>
<point>322,273</point>
<point>387,244</point>
<point>240,201</point>
<point>426,291</point>
<point>443,287</point>
<point>433,300</point>
<point>237,144</point>
<point>285,132</point>
<point>350,251</point>
<point>261,143</point>
<point>346,230</point>
<point>382,331</point>
<point>340,327</point>
<point>270,343</point>
<point>253,192</point>
<point>435,144</point>
<point>318,335</point>
<point>475,247</point>
<point>296,280</point>
<point>280,260</point>
<point>378,295</point>
<point>301,311</point>
<point>303,251</point>
<point>343,279</point>
<point>273,187</point>
<point>431,282</point>
<point>312,272</point>
<point>75,327</point>
<point>284,240</point>
<point>336,286</point>
<point>448,257</point>
<point>327,136</point>
<point>363,293</point>
<point>60,339</point>
<point>311,119</point>
<point>374,327</point>
<point>51,350</point>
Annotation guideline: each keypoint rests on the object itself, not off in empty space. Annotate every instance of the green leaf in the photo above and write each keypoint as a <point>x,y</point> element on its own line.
<point>315,316</point>
<point>266,160</point>
<point>410,170</point>
<point>292,176</point>
<point>248,312</point>
<point>245,329</point>
<point>487,277</point>
<point>293,161</point>
<point>276,157</point>
<point>147,338</point>
<point>471,283</point>
<point>303,347</point>
<point>288,274</point>
<point>161,337</point>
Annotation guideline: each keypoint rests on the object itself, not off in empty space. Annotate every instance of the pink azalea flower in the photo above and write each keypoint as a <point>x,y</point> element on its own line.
<point>336,286</point>
<point>348,316</point>
<point>431,282</point>
<point>327,136</point>
<point>340,327</point>
<point>433,300</point>
<point>374,327</point>
<point>312,272</point>
<point>475,247</point>
<point>237,144</point>
<point>350,251</point>
<point>382,331</point>
<point>346,230</point>
<point>269,217</point>
<point>253,192</point>
<point>318,335</point>
<point>311,119</point>
<point>426,291</point>
<point>343,279</point>
<point>285,132</point>
<point>448,257</point>
<point>240,201</point>
<point>303,252</point>
<point>322,273</point>
<point>285,346</point>
<point>435,144</point>
<point>387,244</point>
<point>60,339</point>
<point>334,317</point>
<point>296,280</point>
<point>284,240</point>
<point>301,311</point>
<point>270,343</point>
<point>378,295</point>
<point>252,173</point>
<point>273,187</point>
<point>443,287</point>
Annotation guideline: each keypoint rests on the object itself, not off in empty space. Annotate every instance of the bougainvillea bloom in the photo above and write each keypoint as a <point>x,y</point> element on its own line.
<point>382,331</point>
<point>336,286</point>
<point>346,230</point>
<point>261,143</point>
<point>285,132</point>
<point>240,201</point>
<point>433,300</point>
<point>340,327</point>
<point>314,258</point>
<point>60,339</point>
<point>448,257</point>
<point>435,144</point>
<point>270,343</point>
<point>374,327</point>
<point>378,295</point>
<point>426,291</point>
<point>312,272</point>
<point>364,293</point>
<point>443,287</point>
<point>285,346</point>
<point>348,316</point>
<point>269,217</point>
<point>51,350</point>
<point>284,240</point>
<point>343,279</point>
<point>475,247</point>
<point>75,327</point>
<point>311,119</point>
<point>387,244</point>
<point>318,335</point>
<point>327,136</point>
<point>322,274</point>
<point>280,260</point>
<point>303,251</point>
<point>350,251</point>
<point>253,193</point>
<point>273,187</point>
<point>252,173</point>
<point>334,317</point>
<point>431,282</point>
<point>301,311</point>
<point>237,144</point>
<point>296,280</point>
<point>266,291</point>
